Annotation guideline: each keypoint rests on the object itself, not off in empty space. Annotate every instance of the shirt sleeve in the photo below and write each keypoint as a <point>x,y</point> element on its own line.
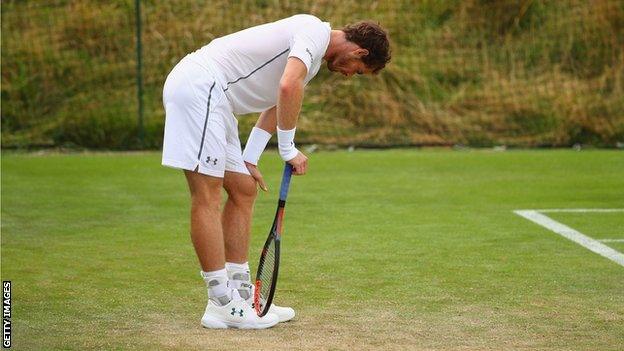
<point>309,43</point>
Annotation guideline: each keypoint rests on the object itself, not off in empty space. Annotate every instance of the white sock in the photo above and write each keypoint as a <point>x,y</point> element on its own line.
<point>217,283</point>
<point>238,273</point>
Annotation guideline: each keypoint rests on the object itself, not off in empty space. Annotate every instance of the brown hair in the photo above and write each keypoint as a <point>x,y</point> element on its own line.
<point>370,36</point>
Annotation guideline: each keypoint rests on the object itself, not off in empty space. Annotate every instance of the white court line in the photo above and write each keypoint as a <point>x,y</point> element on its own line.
<point>605,210</point>
<point>576,236</point>
<point>611,240</point>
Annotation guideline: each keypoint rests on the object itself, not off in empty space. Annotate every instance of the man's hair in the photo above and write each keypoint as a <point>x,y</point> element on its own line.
<point>370,36</point>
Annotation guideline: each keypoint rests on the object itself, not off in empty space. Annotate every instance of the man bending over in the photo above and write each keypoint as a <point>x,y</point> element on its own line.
<point>259,69</point>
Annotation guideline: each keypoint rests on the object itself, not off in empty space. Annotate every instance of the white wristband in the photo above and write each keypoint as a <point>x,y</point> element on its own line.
<point>286,144</point>
<point>257,141</point>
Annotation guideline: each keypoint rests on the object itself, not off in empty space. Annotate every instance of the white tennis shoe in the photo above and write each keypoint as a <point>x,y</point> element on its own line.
<point>283,313</point>
<point>236,314</point>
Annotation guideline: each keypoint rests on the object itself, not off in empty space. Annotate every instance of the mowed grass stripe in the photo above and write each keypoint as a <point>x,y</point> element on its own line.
<point>396,249</point>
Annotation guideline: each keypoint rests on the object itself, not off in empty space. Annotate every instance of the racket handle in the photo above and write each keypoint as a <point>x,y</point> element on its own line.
<point>285,181</point>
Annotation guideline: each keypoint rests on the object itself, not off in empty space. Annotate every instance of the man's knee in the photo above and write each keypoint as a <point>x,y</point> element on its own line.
<point>203,201</point>
<point>205,190</point>
<point>241,188</point>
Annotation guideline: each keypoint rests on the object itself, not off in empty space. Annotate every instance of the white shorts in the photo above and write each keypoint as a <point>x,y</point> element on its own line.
<point>201,131</point>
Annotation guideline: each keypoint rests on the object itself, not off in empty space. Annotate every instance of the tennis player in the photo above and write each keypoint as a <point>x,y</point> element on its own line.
<point>260,69</point>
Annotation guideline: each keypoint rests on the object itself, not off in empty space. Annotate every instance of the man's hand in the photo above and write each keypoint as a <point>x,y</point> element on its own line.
<point>257,176</point>
<point>299,163</point>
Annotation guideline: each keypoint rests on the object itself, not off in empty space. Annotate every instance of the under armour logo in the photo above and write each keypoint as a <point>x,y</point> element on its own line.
<point>240,313</point>
<point>214,161</point>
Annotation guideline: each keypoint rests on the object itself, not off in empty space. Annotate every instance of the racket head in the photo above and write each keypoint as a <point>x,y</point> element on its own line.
<point>266,277</point>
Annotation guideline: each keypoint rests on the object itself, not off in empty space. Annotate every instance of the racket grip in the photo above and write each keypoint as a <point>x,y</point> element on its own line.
<point>285,181</point>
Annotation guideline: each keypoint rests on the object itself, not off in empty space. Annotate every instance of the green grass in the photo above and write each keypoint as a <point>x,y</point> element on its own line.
<point>611,226</point>
<point>399,249</point>
<point>611,223</point>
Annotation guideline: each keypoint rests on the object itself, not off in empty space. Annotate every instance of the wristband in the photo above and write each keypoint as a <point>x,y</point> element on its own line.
<point>286,144</point>
<point>257,141</point>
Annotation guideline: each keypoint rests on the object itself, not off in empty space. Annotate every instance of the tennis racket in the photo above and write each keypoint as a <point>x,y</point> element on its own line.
<point>268,268</point>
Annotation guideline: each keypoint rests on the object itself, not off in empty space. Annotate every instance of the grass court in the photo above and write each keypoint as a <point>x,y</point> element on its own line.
<point>386,249</point>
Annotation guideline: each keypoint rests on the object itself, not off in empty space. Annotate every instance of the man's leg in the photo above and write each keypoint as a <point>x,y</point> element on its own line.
<point>225,309</point>
<point>237,213</point>
<point>207,234</point>
<point>206,229</point>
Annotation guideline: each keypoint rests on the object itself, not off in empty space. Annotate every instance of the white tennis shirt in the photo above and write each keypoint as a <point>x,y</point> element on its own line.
<point>250,63</point>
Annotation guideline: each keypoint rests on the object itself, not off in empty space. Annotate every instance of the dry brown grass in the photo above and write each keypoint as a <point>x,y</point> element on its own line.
<point>474,72</point>
<point>389,328</point>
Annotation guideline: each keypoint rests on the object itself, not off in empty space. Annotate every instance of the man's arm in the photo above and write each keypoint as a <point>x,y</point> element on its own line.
<point>282,118</point>
<point>268,120</point>
<point>257,142</point>
<point>290,96</point>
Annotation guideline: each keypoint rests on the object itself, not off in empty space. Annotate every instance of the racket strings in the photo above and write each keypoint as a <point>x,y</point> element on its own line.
<point>266,274</point>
